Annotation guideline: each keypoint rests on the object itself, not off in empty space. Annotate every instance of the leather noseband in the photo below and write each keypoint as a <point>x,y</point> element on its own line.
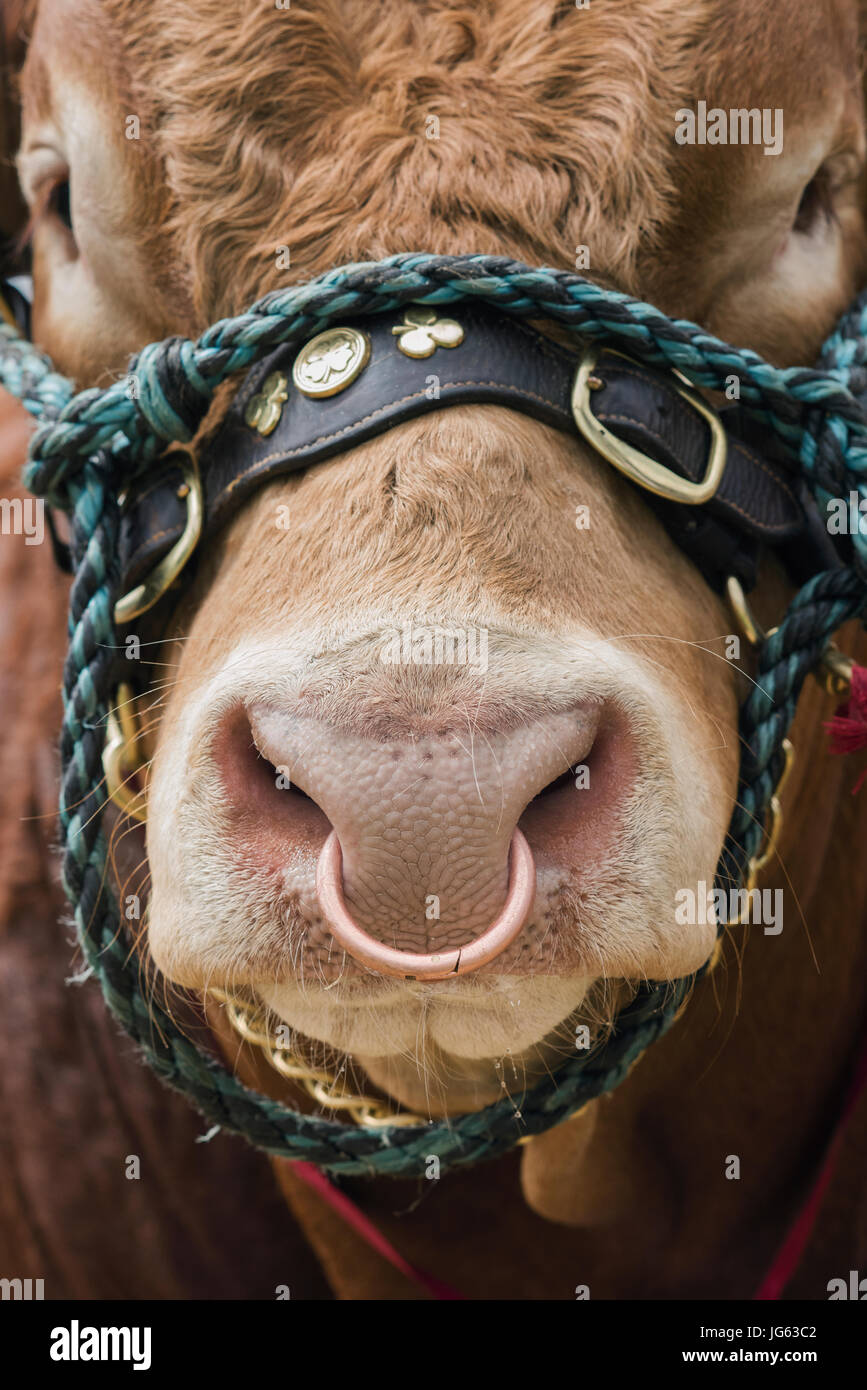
<point>503,361</point>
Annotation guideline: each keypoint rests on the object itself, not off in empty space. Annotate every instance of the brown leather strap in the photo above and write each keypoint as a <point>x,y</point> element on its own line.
<point>501,361</point>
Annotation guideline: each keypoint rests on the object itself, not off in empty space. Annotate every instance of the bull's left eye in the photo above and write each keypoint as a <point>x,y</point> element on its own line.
<point>817,203</point>
<point>833,188</point>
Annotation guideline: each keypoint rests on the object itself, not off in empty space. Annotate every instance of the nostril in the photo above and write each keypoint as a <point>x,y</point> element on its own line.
<point>574,777</point>
<point>274,776</point>
<point>577,812</point>
<point>566,779</point>
<point>263,801</point>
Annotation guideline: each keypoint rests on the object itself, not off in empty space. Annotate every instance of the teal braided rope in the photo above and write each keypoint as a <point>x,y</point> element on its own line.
<point>834,447</point>
<point>91,444</point>
<point>786,658</point>
<point>831,456</point>
<point>142,421</point>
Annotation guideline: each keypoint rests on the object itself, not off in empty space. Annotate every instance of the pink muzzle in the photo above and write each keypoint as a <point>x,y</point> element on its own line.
<point>438,965</point>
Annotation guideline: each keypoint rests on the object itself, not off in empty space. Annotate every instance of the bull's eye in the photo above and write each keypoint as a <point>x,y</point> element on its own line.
<point>59,203</point>
<point>816,205</point>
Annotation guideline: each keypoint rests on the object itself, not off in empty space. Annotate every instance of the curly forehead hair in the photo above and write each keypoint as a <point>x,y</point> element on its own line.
<point>344,130</point>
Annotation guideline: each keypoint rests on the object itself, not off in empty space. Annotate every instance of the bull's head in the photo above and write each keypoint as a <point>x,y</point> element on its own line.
<point>469,624</point>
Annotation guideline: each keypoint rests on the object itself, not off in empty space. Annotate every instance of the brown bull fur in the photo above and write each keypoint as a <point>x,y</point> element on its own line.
<point>631,1198</point>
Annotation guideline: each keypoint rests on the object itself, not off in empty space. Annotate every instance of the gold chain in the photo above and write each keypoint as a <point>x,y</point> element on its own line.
<point>250,1022</point>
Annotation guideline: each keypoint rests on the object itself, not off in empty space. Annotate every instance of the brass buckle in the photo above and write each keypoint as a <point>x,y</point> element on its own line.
<point>163,575</point>
<point>645,471</point>
<point>121,757</point>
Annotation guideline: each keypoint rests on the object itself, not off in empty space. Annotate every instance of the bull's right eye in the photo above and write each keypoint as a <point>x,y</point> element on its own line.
<point>59,204</point>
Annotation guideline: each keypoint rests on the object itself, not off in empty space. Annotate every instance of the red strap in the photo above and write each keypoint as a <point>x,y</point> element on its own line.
<point>782,1267</point>
<point>355,1217</point>
<point>790,1253</point>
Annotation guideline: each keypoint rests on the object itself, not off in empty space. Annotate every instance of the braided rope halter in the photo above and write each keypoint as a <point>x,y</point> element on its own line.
<point>91,445</point>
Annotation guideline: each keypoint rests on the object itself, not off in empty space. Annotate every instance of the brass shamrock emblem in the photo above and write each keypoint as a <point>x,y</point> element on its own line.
<point>330,361</point>
<point>264,410</point>
<point>422,332</point>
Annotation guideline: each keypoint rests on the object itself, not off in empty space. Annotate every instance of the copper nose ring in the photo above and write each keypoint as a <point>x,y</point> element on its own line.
<point>439,965</point>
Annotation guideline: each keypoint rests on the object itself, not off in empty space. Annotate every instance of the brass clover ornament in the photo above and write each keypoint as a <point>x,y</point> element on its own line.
<point>422,332</point>
<point>330,361</point>
<point>264,409</point>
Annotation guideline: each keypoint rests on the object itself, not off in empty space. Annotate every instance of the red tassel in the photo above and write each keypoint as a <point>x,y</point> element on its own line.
<point>847,731</point>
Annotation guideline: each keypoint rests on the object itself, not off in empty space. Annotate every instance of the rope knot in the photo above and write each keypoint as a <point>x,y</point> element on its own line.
<point>168,390</point>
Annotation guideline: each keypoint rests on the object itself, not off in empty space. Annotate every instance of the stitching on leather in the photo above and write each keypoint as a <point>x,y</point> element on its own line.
<point>284,454</point>
<point>546,347</point>
<point>766,526</point>
<point>546,350</point>
<point>774,477</point>
<point>684,408</point>
<point>157,485</point>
